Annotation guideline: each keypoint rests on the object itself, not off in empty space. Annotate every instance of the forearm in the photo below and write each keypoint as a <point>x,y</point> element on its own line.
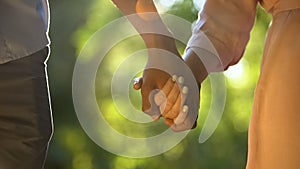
<point>143,15</point>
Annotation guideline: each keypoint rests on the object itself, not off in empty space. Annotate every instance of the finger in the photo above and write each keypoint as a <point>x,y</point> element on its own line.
<point>184,91</point>
<point>173,96</point>
<point>169,122</point>
<point>162,107</point>
<point>168,86</point>
<point>175,110</point>
<point>181,127</point>
<point>137,83</point>
<point>161,97</point>
<point>188,124</point>
<point>180,80</point>
<point>182,115</point>
<point>156,117</point>
<point>146,92</point>
<point>148,105</point>
<point>173,113</point>
<point>177,107</point>
<point>171,99</point>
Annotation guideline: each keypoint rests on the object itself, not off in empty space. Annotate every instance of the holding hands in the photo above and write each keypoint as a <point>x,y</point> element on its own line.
<point>169,88</point>
<point>169,100</point>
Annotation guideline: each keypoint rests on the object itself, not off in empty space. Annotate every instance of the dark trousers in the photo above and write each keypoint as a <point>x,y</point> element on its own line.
<point>25,113</point>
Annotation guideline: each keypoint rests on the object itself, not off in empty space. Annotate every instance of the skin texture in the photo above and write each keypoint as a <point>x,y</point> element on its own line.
<point>143,6</point>
<point>152,78</point>
<point>170,103</point>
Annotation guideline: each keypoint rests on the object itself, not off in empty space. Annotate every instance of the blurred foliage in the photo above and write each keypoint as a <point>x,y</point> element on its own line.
<point>72,24</point>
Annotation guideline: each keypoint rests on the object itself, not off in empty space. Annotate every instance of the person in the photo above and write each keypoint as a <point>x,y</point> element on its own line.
<point>25,113</point>
<point>274,140</point>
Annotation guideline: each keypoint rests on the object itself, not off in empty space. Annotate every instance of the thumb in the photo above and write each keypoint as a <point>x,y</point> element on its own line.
<point>137,83</point>
<point>148,104</point>
<point>146,91</point>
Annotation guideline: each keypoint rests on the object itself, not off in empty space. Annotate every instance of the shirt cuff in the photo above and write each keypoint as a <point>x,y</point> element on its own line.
<point>205,50</point>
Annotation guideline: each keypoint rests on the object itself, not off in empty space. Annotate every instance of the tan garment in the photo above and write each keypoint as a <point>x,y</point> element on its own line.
<point>274,135</point>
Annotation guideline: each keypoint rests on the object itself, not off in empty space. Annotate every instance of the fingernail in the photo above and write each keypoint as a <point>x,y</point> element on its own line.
<point>185,109</point>
<point>185,90</point>
<point>174,78</point>
<point>180,80</point>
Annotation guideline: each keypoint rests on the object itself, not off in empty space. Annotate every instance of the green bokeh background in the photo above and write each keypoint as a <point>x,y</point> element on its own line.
<point>72,24</point>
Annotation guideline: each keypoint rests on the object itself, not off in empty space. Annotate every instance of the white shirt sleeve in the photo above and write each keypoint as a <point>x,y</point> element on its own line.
<point>222,32</point>
<point>205,50</point>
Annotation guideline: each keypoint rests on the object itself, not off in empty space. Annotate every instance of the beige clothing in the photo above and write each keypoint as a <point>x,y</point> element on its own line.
<point>274,135</point>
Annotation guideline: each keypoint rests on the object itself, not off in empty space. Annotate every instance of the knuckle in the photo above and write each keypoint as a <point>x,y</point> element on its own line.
<point>145,106</point>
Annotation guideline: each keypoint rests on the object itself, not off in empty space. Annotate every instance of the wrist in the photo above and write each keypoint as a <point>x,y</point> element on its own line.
<point>159,41</point>
<point>196,65</point>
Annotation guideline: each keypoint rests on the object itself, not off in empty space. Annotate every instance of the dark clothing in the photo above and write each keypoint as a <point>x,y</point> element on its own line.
<point>25,113</point>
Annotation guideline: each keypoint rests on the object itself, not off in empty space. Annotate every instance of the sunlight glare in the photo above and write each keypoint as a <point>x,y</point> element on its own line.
<point>235,72</point>
<point>164,5</point>
<point>198,4</point>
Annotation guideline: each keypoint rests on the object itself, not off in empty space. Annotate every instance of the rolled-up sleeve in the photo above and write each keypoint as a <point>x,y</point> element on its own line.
<point>222,32</point>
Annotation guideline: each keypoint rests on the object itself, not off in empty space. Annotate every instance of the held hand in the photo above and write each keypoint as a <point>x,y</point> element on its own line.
<point>174,65</point>
<point>173,106</point>
<point>170,99</point>
<point>163,61</point>
<point>152,81</point>
<point>168,89</point>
